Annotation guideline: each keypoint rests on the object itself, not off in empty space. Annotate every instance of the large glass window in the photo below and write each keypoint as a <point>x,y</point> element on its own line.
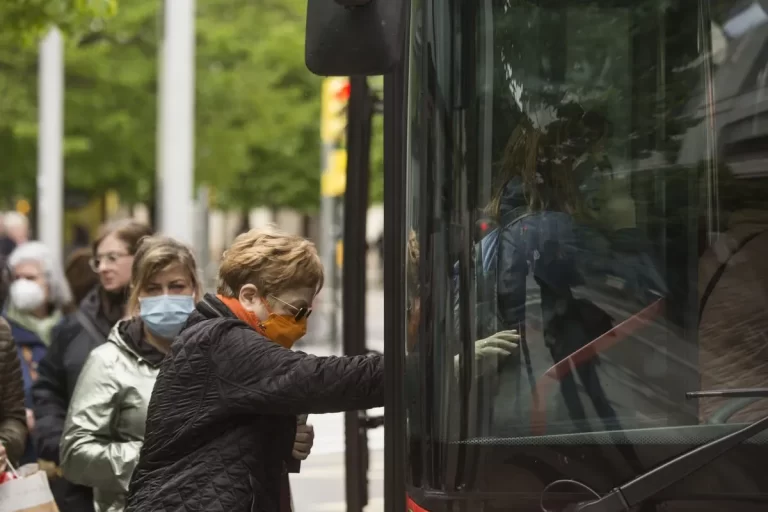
<point>590,179</point>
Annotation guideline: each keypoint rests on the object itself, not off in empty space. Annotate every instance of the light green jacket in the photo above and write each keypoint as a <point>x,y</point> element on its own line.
<point>105,423</point>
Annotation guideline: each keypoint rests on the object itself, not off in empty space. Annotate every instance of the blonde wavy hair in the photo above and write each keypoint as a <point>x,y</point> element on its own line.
<point>543,159</point>
<point>155,254</point>
<point>271,260</point>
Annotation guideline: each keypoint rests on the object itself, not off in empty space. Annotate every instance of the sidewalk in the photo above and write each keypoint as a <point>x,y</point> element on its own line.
<point>320,485</point>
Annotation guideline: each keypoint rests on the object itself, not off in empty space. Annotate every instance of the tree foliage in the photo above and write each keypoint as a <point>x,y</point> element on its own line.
<point>257,107</point>
<point>25,20</point>
<point>270,140</point>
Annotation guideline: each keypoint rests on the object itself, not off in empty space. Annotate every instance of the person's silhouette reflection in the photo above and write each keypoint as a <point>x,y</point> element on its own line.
<point>546,233</point>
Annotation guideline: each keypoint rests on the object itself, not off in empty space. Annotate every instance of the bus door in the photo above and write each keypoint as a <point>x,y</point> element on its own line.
<point>617,150</point>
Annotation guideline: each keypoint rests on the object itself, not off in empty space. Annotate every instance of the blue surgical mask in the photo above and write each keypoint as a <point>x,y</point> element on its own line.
<point>165,315</point>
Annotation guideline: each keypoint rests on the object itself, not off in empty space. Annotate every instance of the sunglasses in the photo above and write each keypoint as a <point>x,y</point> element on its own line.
<point>301,313</point>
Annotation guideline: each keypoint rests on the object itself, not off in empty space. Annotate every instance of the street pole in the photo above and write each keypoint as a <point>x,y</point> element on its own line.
<point>328,236</point>
<point>332,131</point>
<point>50,155</point>
<point>202,236</point>
<point>176,117</point>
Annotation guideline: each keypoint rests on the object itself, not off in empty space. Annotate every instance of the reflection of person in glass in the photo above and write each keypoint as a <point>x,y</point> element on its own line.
<point>547,233</point>
<point>488,351</point>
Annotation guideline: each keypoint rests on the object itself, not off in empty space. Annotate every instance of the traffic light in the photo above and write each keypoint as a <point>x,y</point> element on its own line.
<point>335,98</point>
<point>333,181</point>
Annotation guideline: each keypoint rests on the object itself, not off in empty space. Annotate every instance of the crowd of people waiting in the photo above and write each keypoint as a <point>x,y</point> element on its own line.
<point>135,390</point>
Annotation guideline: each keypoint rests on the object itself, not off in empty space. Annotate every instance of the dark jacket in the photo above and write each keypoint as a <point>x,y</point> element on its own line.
<point>221,421</point>
<point>58,372</point>
<point>13,423</point>
<point>31,350</point>
<point>553,253</point>
<point>548,275</point>
<point>6,246</point>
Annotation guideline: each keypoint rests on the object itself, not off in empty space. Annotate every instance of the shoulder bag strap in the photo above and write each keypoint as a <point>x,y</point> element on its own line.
<point>91,329</point>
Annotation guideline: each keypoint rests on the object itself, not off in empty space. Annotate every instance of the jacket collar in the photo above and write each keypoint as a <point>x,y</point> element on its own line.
<point>22,335</point>
<point>129,336</point>
<point>212,307</point>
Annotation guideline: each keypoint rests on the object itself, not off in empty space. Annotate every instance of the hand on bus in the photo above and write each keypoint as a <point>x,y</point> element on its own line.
<point>492,350</point>
<point>305,438</point>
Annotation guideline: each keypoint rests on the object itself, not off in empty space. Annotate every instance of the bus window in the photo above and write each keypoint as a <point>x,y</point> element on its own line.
<point>614,153</point>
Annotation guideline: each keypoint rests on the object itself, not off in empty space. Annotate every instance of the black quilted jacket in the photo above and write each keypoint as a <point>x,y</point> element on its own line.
<point>222,417</point>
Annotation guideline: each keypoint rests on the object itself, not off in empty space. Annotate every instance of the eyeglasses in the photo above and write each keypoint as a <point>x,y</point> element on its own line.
<point>300,314</point>
<point>110,257</point>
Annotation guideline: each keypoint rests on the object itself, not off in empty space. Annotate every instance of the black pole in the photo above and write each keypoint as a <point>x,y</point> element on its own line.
<point>394,283</point>
<point>353,277</point>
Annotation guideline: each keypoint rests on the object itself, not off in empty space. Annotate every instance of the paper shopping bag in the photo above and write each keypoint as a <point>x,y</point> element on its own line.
<point>29,492</point>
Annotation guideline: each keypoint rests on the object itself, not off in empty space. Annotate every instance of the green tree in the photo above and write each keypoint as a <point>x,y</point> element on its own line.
<point>257,107</point>
<point>267,126</point>
<point>25,20</point>
<point>109,106</point>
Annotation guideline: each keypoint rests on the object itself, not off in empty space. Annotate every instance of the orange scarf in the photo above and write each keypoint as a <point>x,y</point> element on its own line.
<point>241,313</point>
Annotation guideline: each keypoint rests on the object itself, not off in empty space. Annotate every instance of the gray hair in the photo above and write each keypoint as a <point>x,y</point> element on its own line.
<point>38,252</point>
<point>13,219</point>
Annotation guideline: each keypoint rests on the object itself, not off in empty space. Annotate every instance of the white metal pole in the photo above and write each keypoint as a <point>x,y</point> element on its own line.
<point>177,121</point>
<point>50,155</point>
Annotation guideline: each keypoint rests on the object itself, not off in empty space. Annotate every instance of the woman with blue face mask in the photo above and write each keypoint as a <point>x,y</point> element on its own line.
<point>104,429</point>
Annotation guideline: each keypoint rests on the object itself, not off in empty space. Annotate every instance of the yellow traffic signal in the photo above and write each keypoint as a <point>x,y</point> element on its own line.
<point>333,181</point>
<point>340,254</point>
<point>335,98</point>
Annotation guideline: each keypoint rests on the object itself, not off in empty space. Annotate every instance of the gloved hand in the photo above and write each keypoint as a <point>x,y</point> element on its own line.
<point>491,350</point>
<point>305,438</point>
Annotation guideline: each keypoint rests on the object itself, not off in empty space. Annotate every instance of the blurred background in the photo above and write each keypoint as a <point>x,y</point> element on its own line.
<point>199,118</point>
<point>257,117</point>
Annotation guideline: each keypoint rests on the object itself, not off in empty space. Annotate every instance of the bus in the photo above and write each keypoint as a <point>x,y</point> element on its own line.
<point>616,154</point>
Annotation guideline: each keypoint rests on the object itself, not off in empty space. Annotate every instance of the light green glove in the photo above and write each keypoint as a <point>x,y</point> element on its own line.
<point>492,350</point>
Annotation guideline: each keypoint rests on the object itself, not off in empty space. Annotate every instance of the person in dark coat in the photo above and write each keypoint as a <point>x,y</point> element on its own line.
<point>222,421</point>
<point>38,295</point>
<point>72,341</point>
<point>81,278</point>
<point>550,242</point>
<point>13,427</point>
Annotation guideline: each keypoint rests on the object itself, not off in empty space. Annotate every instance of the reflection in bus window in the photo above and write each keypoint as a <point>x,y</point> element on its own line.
<point>614,153</point>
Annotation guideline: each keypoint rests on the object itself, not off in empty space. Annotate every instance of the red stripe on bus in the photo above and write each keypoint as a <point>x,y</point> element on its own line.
<point>600,344</point>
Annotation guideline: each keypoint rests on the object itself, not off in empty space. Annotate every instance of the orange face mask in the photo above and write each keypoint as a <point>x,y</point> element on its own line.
<point>284,330</point>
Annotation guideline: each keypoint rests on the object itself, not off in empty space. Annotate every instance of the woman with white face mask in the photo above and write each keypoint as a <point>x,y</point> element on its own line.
<point>37,296</point>
<point>104,429</point>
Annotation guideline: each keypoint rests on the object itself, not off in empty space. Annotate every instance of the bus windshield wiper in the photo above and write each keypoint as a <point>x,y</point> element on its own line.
<point>645,486</point>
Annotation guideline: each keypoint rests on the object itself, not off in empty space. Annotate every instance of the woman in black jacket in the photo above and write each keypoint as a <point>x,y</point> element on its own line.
<point>222,419</point>
<point>13,425</point>
<point>72,341</point>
